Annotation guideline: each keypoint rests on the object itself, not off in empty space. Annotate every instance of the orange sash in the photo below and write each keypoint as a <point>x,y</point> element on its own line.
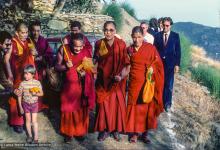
<point>103,49</point>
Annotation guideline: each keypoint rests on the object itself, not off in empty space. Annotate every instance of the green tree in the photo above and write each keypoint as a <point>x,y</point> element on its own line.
<point>114,10</point>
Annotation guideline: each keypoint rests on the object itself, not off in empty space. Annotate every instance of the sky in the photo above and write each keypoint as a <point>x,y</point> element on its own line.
<point>206,12</point>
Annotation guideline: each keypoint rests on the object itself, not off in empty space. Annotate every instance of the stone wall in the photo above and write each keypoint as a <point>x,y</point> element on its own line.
<point>47,6</point>
<point>90,23</point>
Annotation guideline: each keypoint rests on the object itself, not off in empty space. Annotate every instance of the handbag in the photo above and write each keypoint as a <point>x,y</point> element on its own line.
<point>54,79</point>
<point>148,91</point>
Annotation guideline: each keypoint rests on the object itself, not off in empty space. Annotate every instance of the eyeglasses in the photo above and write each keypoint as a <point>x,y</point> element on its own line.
<point>8,44</point>
<point>110,30</point>
<point>74,30</point>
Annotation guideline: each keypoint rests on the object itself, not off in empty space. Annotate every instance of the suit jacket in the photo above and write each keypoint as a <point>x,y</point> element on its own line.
<point>152,31</point>
<point>171,53</point>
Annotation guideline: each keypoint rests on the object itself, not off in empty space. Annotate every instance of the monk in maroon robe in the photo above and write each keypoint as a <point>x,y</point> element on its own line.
<point>113,67</point>
<point>78,93</point>
<point>75,27</point>
<point>21,55</point>
<point>143,116</point>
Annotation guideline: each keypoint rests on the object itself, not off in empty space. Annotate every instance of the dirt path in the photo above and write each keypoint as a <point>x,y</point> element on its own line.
<point>183,125</point>
<point>49,133</point>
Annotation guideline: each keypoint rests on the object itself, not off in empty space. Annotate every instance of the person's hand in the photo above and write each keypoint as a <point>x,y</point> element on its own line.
<point>21,111</point>
<point>151,70</point>
<point>44,73</point>
<point>34,51</point>
<point>95,76</point>
<point>39,58</point>
<point>176,69</point>
<point>82,73</point>
<point>69,64</point>
<point>118,78</point>
<point>17,92</point>
<point>34,93</point>
<point>11,79</point>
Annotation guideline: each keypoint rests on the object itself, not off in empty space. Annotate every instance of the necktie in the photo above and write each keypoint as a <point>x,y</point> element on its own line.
<point>165,39</point>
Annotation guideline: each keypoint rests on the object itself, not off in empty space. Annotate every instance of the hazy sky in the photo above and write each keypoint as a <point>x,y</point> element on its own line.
<point>205,12</point>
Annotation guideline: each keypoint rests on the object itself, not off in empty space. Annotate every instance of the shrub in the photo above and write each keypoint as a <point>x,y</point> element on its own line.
<point>209,77</point>
<point>185,54</point>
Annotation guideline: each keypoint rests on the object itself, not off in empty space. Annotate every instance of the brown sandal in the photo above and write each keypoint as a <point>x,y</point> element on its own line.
<point>133,139</point>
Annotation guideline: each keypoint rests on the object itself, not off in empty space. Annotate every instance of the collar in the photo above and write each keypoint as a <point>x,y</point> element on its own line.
<point>168,33</point>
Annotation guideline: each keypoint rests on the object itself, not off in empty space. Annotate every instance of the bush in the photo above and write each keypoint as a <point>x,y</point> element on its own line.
<point>185,54</point>
<point>114,10</point>
<point>127,7</point>
<point>209,77</point>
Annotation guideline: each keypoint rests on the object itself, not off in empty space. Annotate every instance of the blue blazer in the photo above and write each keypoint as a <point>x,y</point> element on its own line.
<point>171,53</point>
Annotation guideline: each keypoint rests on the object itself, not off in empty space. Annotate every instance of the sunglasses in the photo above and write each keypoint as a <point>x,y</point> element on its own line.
<point>166,25</point>
<point>110,30</point>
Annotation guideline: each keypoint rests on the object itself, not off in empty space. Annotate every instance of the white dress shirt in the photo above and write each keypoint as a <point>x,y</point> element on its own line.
<point>149,38</point>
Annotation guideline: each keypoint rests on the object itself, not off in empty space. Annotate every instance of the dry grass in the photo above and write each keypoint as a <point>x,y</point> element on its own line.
<point>194,112</point>
<point>127,24</point>
<point>199,56</point>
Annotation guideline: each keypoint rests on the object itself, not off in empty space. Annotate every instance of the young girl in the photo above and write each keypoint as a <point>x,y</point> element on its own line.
<point>30,90</point>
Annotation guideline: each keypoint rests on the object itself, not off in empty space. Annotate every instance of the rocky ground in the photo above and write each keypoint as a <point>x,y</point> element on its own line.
<point>192,123</point>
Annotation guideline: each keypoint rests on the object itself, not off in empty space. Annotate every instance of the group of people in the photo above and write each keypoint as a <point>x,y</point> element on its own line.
<point>93,79</point>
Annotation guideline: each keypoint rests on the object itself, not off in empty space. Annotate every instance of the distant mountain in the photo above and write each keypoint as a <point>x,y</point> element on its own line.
<point>204,36</point>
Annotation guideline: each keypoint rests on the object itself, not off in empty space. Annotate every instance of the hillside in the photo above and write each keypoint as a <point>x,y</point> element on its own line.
<point>203,36</point>
<point>127,24</point>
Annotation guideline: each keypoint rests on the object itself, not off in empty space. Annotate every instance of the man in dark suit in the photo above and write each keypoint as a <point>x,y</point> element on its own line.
<point>167,43</point>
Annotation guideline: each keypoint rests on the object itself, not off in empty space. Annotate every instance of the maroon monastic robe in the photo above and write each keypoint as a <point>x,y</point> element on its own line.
<point>110,94</point>
<point>77,97</point>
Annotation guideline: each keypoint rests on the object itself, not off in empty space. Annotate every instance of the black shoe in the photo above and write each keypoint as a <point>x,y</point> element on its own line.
<point>67,139</point>
<point>35,142</point>
<point>145,139</point>
<point>167,108</point>
<point>29,140</point>
<point>116,136</point>
<point>80,138</point>
<point>102,135</point>
<point>18,129</point>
